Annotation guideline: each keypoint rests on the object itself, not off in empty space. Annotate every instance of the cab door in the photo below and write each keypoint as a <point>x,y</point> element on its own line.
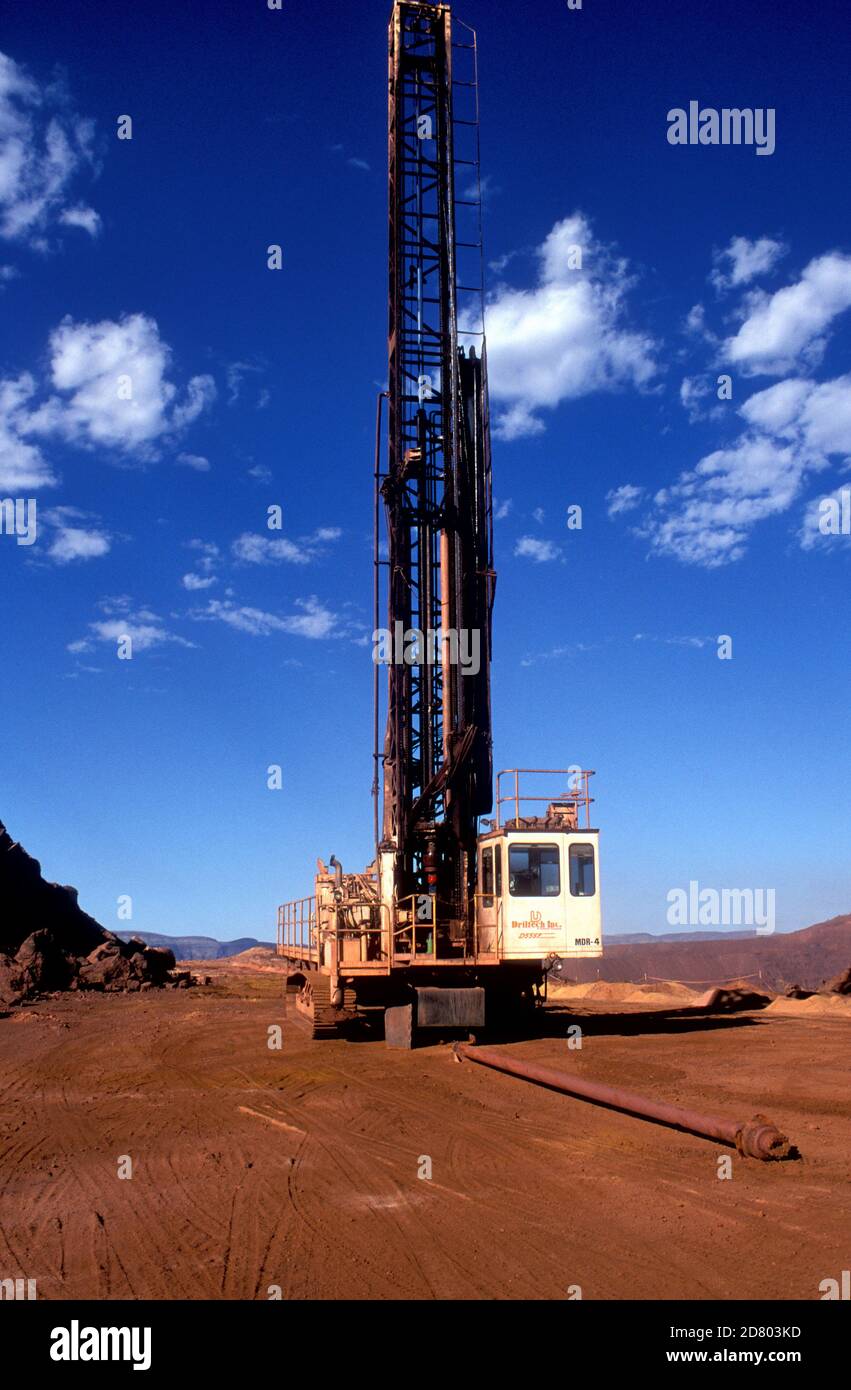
<point>584,918</point>
<point>489,897</point>
<point>535,915</point>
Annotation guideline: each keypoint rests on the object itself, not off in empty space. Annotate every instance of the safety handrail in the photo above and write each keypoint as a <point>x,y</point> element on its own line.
<point>575,796</point>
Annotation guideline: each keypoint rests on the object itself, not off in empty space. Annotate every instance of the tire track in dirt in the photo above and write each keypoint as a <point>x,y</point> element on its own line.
<point>140,1224</point>
<point>394,1207</point>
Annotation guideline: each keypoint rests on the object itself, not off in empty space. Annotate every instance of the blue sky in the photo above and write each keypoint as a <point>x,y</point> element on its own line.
<point>253,387</point>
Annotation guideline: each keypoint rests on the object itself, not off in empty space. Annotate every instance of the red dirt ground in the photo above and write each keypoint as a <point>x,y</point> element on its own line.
<point>298,1168</point>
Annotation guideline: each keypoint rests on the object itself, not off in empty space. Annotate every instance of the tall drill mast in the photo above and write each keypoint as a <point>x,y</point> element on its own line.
<point>448,927</point>
<point>437,490</point>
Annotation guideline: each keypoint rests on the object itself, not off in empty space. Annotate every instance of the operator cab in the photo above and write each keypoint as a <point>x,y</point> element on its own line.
<point>538,882</point>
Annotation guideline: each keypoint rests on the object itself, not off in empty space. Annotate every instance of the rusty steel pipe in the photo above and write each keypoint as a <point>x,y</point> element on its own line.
<point>755,1138</point>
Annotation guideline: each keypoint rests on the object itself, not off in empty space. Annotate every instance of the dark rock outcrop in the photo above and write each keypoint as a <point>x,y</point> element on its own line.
<point>840,984</point>
<point>48,943</point>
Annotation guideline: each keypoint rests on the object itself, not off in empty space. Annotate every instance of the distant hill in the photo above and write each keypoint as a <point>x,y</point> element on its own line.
<point>197,947</point>
<point>634,938</point>
<point>807,957</point>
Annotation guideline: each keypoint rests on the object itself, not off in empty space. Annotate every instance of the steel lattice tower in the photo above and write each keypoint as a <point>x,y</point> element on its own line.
<point>437,486</point>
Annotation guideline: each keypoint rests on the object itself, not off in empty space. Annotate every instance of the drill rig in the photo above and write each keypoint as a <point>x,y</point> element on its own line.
<point>450,924</point>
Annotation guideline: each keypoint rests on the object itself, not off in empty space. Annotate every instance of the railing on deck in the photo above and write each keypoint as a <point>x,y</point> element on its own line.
<point>573,796</point>
<point>297,928</point>
<point>415,933</point>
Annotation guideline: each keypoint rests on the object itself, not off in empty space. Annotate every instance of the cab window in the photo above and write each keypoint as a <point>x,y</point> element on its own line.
<point>533,871</point>
<point>487,878</point>
<point>582,881</point>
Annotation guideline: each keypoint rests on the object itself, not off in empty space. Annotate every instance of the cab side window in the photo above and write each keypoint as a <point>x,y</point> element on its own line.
<point>533,871</point>
<point>487,877</point>
<point>582,878</point>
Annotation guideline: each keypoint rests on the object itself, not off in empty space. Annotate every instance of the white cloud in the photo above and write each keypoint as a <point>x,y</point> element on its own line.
<point>743,260</point>
<point>817,416</point>
<point>85,218</point>
<point>707,516</point>
<point>315,621</point>
<point>196,461</point>
<point>200,392</point>
<point>355,163</point>
<point>793,430</point>
<point>503,509</point>
<point>556,653</point>
<point>235,375</point>
<point>695,391</point>
<point>483,190</point>
<point>695,324</point>
<point>499,263</point>
<point>208,554</point>
<point>776,408</point>
<point>518,422</point>
<point>43,147</point>
<point>74,537</point>
<point>145,629</point>
<point>826,416</point>
<point>698,642</point>
<point>816,519</point>
<point>566,337</point>
<point>531,548</point>
<point>23,467</point>
<point>74,543</point>
<point>786,330</point>
<point>255,549</point>
<point>96,367</point>
<point>623,499</point>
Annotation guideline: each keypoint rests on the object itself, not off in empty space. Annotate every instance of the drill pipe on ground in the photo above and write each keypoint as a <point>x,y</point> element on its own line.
<point>755,1138</point>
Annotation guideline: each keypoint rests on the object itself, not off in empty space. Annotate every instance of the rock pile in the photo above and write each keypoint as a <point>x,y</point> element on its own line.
<point>48,943</point>
<point>840,984</point>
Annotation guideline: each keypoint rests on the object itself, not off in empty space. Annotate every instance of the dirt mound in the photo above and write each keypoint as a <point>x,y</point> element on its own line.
<point>667,993</point>
<point>257,955</point>
<point>597,989</point>
<point>662,989</point>
<point>48,943</point>
<point>257,960</point>
<point>664,994</point>
<point>815,1006</point>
